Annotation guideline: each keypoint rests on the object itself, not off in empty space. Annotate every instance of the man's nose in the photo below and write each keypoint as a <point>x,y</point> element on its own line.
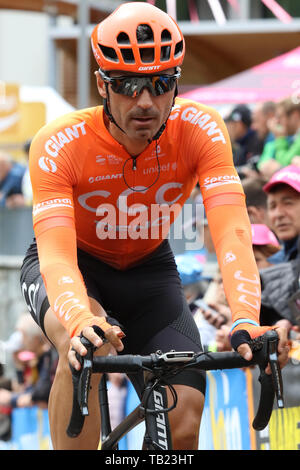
<point>145,100</point>
<point>278,212</point>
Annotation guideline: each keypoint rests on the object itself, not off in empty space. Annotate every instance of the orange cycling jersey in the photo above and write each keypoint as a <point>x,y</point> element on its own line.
<point>89,192</point>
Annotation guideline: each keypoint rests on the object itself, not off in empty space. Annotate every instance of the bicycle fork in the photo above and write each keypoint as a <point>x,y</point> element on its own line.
<point>155,404</point>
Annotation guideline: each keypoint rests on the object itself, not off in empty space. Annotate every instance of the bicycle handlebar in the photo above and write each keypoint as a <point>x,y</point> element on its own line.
<point>264,351</point>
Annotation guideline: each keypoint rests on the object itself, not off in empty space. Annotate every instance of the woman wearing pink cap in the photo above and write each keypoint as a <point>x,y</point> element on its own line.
<point>265,244</point>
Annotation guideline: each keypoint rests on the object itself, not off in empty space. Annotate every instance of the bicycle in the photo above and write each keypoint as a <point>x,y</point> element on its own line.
<point>153,407</point>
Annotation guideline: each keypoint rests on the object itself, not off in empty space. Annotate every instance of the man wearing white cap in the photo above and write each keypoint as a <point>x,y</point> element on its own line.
<point>283,205</point>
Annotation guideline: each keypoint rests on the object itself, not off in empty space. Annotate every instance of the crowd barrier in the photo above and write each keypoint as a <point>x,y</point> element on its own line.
<point>231,399</point>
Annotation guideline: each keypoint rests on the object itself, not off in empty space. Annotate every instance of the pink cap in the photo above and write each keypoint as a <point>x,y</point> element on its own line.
<point>26,356</point>
<point>289,175</point>
<point>262,235</point>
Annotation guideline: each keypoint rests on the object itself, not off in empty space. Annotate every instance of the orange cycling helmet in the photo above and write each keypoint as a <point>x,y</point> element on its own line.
<point>118,42</point>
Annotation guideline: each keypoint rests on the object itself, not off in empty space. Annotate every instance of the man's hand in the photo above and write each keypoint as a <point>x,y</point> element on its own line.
<point>113,336</point>
<point>283,349</point>
<point>270,167</point>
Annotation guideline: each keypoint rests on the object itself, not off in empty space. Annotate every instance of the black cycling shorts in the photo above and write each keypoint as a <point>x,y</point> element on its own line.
<point>147,300</point>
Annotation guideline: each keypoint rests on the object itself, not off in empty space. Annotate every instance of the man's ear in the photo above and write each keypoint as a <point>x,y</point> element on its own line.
<point>100,85</point>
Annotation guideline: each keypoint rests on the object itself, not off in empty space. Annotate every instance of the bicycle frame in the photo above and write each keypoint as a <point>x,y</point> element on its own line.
<point>157,435</point>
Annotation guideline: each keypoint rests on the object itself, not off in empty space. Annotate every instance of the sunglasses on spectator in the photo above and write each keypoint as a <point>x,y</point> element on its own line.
<point>132,85</point>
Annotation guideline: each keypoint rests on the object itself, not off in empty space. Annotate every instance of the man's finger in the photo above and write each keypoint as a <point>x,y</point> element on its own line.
<point>114,335</point>
<point>245,351</point>
<point>90,334</point>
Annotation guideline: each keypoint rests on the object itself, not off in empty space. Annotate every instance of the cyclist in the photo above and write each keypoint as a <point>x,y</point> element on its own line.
<point>96,173</point>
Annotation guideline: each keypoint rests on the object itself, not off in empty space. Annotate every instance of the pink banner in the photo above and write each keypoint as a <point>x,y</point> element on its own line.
<point>273,80</point>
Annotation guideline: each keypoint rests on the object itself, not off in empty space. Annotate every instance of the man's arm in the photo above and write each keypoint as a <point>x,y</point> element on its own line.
<point>54,227</point>
<point>230,229</point>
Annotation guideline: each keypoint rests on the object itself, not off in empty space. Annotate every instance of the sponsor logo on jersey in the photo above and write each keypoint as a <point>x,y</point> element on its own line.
<point>96,179</point>
<point>155,169</point>
<point>30,296</point>
<point>249,288</point>
<point>121,200</point>
<point>43,206</point>
<point>100,159</point>
<point>47,164</point>
<point>59,140</point>
<point>110,159</point>
<point>156,153</point>
<point>62,309</point>
<point>212,182</point>
<point>65,280</point>
<point>229,257</point>
<point>201,119</point>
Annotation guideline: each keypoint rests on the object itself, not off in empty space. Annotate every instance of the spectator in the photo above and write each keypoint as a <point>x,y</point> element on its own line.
<point>261,115</point>
<point>239,122</point>
<point>11,175</point>
<point>256,200</point>
<point>39,362</point>
<point>286,128</point>
<point>212,312</point>
<point>26,182</point>
<point>265,244</point>
<point>117,391</point>
<point>283,206</point>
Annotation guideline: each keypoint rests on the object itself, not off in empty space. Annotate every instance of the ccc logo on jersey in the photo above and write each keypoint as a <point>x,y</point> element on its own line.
<point>30,296</point>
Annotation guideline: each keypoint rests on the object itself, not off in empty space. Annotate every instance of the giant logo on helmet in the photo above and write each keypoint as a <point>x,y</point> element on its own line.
<point>150,67</point>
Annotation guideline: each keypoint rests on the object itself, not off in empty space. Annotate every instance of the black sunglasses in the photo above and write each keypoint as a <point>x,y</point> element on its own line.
<point>132,85</point>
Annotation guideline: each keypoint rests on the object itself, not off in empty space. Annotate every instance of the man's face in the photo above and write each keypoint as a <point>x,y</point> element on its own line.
<point>281,118</point>
<point>284,212</point>
<point>293,122</point>
<point>259,122</point>
<point>142,116</point>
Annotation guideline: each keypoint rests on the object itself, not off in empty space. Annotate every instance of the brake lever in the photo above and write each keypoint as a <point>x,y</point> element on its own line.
<point>85,376</point>
<point>275,369</point>
<point>81,386</point>
<point>268,349</point>
<point>265,349</point>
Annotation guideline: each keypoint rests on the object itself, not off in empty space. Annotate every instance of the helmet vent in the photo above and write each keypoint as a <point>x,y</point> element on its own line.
<point>128,56</point>
<point>144,34</point>
<point>147,54</point>
<point>123,38</point>
<point>165,53</point>
<point>109,53</point>
<point>178,49</point>
<point>166,36</point>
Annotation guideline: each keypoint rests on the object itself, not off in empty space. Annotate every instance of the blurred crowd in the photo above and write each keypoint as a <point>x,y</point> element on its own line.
<point>266,151</point>
<point>15,185</point>
<point>34,363</point>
